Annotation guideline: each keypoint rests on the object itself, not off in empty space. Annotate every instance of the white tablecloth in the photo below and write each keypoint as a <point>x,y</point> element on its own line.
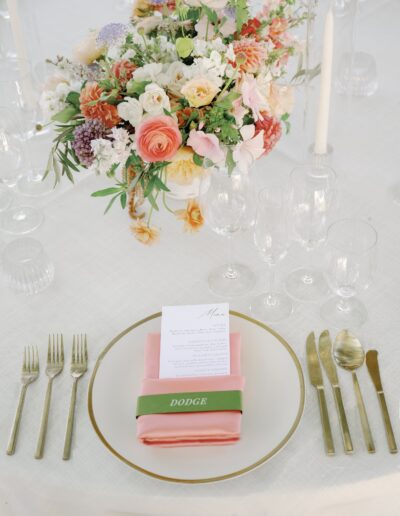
<point>105,281</point>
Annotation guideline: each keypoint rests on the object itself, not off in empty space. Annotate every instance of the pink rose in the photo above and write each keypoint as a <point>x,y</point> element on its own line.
<point>206,145</point>
<point>158,138</point>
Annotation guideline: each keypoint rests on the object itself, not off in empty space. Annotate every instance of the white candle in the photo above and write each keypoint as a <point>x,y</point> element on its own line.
<point>22,53</point>
<point>321,132</point>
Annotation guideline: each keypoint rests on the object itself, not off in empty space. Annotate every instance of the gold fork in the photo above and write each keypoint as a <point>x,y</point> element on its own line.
<point>79,361</point>
<point>29,373</point>
<point>54,366</point>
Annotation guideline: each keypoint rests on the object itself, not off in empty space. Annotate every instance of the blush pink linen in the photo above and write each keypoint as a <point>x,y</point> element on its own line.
<point>191,428</point>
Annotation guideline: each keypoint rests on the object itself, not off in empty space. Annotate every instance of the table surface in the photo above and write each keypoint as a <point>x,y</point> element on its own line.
<point>105,281</point>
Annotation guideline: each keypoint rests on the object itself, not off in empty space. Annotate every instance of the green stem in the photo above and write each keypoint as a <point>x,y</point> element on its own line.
<point>152,209</point>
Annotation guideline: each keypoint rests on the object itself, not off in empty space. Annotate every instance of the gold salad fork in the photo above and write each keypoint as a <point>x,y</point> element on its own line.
<point>54,366</point>
<point>79,361</point>
<point>29,373</point>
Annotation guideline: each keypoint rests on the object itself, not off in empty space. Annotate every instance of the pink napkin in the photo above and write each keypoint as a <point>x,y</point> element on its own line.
<point>190,428</point>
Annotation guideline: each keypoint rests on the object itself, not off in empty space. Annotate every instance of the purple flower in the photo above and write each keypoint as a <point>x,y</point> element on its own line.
<point>83,136</point>
<point>111,34</point>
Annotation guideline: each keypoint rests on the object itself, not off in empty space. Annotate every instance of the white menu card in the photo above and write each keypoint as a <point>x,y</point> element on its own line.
<point>195,341</point>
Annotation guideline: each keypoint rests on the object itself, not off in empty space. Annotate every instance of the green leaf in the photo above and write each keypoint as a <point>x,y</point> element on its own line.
<point>226,102</point>
<point>111,203</point>
<point>152,201</point>
<point>184,46</point>
<point>198,160</point>
<point>166,112</point>
<point>65,115</point>
<point>106,191</point>
<point>285,117</point>
<point>211,14</point>
<point>123,200</point>
<point>73,99</point>
<point>242,13</point>
<point>230,162</point>
<point>136,87</point>
<point>160,185</point>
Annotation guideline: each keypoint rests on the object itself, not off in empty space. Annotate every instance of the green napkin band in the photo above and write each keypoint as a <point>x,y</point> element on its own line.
<point>188,402</point>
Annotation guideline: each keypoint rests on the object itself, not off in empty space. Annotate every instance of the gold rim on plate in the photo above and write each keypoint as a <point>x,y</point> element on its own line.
<point>241,471</point>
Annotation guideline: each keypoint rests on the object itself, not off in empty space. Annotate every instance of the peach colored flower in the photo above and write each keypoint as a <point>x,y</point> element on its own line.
<point>199,91</point>
<point>182,169</point>
<point>250,53</point>
<point>87,50</point>
<point>278,27</point>
<point>280,99</point>
<point>272,131</point>
<point>144,233</point>
<point>192,216</point>
<point>101,110</point>
<point>252,96</point>
<point>123,70</point>
<point>158,138</point>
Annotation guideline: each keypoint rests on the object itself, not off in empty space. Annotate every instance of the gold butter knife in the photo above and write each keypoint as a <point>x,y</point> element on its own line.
<point>373,369</point>
<point>325,353</point>
<point>315,373</point>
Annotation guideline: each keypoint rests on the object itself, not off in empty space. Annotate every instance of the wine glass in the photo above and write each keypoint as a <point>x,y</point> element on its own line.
<point>311,205</point>
<point>351,263</point>
<point>271,240</point>
<point>17,220</point>
<point>224,199</point>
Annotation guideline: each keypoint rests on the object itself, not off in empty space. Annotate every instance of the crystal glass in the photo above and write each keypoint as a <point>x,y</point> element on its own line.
<point>351,263</point>
<point>271,240</point>
<point>13,166</point>
<point>224,200</point>
<point>18,92</point>
<point>26,266</point>
<point>357,75</point>
<point>311,205</point>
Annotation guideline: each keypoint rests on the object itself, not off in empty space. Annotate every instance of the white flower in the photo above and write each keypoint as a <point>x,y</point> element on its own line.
<point>177,75</point>
<point>131,110</point>
<point>250,149</point>
<point>212,4</point>
<point>53,101</point>
<point>154,99</point>
<point>121,144</point>
<point>148,72</point>
<point>200,48</point>
<point>103,156</point>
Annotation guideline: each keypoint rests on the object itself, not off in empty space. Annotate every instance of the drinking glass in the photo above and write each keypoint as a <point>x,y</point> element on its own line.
<point>26,266</point>
<point>13,167</point>
<point>224,199</point>
<point>271,240</point>
<point>18,92</point>
<point>311,205</point>
<point>351,263</point>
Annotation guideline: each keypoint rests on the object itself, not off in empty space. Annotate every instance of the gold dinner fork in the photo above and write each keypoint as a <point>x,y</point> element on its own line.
<point>79,361</point>
<point>54,366</point>
<point>29,373</point>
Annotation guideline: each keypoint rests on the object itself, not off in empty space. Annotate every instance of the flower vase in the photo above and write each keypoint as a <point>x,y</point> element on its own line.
<point>183,176</point>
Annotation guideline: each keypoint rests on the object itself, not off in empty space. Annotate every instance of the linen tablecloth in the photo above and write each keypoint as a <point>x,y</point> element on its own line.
<point>105,281</point>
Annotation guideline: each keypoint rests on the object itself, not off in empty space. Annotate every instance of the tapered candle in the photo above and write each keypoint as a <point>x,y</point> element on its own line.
<point>321,131</point>
<point>22,53</point>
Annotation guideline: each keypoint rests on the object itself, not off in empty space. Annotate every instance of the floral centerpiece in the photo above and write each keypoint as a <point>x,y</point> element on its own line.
<point>186,85</point>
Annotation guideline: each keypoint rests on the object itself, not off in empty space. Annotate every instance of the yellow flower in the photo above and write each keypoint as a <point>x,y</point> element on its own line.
<point>87,50</point>
<point>182,169</point>
<point>144,233</point>
<point>192,216</point>
<point>199,91</point>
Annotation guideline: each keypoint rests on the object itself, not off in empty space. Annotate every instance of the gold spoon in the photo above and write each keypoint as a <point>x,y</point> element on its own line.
<point>349,354</point>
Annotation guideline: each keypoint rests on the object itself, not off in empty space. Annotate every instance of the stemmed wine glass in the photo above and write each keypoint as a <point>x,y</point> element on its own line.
<point>311,204</point>
<point>271,240</point>
<point>224,200</point>
<point>17,220</point>
<point>351,263</point>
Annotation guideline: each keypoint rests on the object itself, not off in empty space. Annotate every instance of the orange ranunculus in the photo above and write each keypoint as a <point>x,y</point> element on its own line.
<point>101,110</point>
<point>192,216</point>
<point>158,138</point>
<point>250,53</point>
<point>123,70</point>
<point>144,233</point>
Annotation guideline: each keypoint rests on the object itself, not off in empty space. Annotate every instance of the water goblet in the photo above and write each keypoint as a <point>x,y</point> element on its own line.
<point>26,266</point>
<point>224,199</point>
<point>271,240</point>
<point>351,263</point>
<point>312,198</point>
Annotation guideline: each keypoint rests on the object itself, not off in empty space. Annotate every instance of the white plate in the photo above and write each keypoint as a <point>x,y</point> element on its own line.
<point>273,402</point>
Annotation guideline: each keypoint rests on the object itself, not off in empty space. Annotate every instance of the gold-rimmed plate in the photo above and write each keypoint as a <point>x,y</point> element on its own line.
<point>273,402</point>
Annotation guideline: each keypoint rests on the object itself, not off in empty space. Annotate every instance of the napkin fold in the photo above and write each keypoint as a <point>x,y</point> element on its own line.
<point>189,428</point>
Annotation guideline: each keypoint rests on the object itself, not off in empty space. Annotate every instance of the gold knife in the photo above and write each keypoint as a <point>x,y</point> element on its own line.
<point>373,369</point>
<point>325,354</point>
<point>314,370</point>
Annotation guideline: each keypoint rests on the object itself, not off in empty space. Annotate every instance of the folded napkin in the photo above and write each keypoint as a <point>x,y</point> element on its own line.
<point>189,428</point>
